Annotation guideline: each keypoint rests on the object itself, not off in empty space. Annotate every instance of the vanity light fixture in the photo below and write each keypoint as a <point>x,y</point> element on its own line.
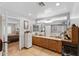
<point>41,4</point>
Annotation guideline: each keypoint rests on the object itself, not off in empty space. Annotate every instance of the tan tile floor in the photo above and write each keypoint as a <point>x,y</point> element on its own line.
<point>34,51</point>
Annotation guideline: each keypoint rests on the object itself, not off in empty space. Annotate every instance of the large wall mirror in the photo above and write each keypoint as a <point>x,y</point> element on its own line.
<point>58,23</point>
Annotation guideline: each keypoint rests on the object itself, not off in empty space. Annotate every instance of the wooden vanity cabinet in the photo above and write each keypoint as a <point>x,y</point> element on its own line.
<point>59,46</point>
<point>55,45</point>
<point>13,38</point>
<point>51,44</point>
<point>44,42</point>
<point>33,40</point>
<point>75,35</point>
<point>40,42</point>
<point>36,40</point>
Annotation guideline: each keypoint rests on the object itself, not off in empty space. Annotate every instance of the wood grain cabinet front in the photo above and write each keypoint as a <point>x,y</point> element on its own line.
<point>44,42</point>
<point>40,42</point>
<point>59,46</point>
<point>36,40</point>
<point>55,45</point>
<point>51,44</point>
<point>75,35</point>
<point>33,40</point>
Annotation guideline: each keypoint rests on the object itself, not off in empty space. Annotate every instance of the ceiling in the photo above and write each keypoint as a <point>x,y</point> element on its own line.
<point>32,10</point>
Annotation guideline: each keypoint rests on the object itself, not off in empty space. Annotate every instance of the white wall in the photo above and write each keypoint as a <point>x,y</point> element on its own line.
<point>21,42</point>
<point>4,34</point>
<point>75,21</point>
<point>0,26</point>
<point>12,28</point>
<point>14,23</point>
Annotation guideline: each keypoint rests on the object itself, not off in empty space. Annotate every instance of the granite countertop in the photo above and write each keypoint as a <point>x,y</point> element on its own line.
<point>48,37</point>
<point>67,40</point>
<point>52,38</point>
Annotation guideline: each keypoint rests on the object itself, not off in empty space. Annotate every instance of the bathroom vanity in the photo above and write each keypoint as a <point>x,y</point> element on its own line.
<point>50,43</point>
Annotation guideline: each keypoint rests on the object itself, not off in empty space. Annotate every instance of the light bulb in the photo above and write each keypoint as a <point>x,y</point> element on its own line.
<point>57,4</point>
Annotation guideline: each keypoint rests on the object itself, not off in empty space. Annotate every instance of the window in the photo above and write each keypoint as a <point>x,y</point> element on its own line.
<point>53,29</point>
<point>58,29</point>
<point>35,28</point>
<point>42,28</point>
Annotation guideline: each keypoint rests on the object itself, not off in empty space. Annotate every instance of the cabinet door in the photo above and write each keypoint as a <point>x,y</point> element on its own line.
<point>44,42</point>
<point>33,40</point>
<point>55,45</point>
<point>59,46</point>
<point>37,41</point>
<point>40,42</point>
<point>52,44</point>
<point>75,35</point>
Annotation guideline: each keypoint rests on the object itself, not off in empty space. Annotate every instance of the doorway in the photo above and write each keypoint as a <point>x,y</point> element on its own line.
<point>13,36</point>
